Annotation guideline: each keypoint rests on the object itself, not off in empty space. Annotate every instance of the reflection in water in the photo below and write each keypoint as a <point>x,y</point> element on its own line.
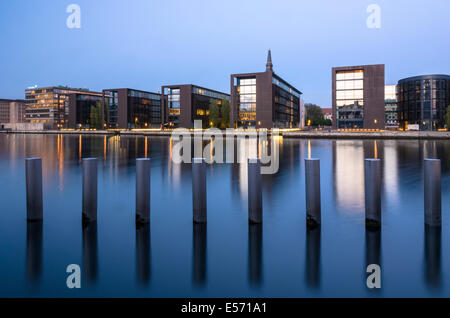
<point>143,252</point>
<point>90,251</point>
<point>255,253</point>
<point>246,148</point>
<point>390,171</point>
<point>34,251</point>
<point>199,254</point>
<point>433,256</point>
<point>348,158</point>
<point>313,265</point>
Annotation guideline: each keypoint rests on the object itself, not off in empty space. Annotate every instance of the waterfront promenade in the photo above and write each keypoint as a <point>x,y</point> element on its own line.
<point>299,134</point>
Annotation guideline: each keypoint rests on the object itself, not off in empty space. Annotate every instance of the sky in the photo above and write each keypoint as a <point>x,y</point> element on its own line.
<point>144,44</point>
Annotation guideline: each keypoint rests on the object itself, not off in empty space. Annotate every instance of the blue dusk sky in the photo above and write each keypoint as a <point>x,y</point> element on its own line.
<point>144,44</point>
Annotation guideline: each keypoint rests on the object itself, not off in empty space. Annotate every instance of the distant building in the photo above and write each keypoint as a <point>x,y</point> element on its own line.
<point>264,100</point>
<point>12,111</point>
<point>50,105</point>
<point>423,101</point>
<point>390,106</point>
<point>182,104</point>
<point>126,108</point>
<point>358,97</point>
<point>327,113</point>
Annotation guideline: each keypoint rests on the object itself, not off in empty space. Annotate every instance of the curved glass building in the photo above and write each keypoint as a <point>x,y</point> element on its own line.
<point>423,100</point>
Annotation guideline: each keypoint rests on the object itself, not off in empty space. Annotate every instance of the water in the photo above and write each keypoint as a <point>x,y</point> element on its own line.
<point>173,258</point>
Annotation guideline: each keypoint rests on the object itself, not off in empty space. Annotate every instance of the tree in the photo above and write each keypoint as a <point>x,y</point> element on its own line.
<point>447,118</point>
<point>225,123</point>
<point>314,115</point>
<point>214,116</point>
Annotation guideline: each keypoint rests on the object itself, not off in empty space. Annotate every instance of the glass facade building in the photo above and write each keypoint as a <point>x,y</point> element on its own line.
<point>423,100</point>
<point>173,97</point>
<point>287,104</point>
<point>264,100</point>
<point>358,97</point>
<point>246,89</point>
<point>85,111</point>
<point>110,108</point>
<point>50,105</point>
<point>183,104</point>
<point>126,108</point>
<point>350,99</point>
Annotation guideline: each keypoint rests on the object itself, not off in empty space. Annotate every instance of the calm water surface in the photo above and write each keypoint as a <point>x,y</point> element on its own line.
<point>173,258</point>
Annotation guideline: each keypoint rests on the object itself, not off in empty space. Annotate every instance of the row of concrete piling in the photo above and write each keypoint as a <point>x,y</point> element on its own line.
<point>372,184</point>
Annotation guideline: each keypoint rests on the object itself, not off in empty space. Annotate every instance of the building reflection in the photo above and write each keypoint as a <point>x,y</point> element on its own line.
<point>173,169</point>
<point>255,254</point>
<point>433,256</point>
<point>199,254</point>
<point>34,251</point>
<point>313,260</point>
<point>143,253</point>
<point>90,251</point>
<point>348,172</point>
<point>390,171</point>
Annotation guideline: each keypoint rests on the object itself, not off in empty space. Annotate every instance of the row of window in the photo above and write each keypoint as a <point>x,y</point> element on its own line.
<point>206,92</point>
<point>287,88</point>
<point>349,75</point>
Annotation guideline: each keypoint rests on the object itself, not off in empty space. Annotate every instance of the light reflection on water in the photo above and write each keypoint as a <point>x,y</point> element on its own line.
<point>171,257</point>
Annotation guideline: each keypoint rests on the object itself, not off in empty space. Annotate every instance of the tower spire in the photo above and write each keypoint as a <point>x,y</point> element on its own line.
<point>269,65</point>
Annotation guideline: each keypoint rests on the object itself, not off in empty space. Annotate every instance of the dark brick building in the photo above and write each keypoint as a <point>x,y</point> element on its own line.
<point>264,100</point>
<point>12,111</point>
<point>85,110</point>
<point>126,108</point>
<point>358,97</point>
<point>182,104</point>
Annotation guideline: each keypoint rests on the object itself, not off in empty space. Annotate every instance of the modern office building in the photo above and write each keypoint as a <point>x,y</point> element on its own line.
<point>12,111</point>
<point>85,110</point>
<point>126,108</point>
<point>182,104</point>
<point>423,101</point>
<point>264,100</point>
<point>358,97</point>
<point>50,105</point>
<point>390,106</point>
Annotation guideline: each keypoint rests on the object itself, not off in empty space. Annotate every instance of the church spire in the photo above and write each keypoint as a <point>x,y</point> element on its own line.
<point>269,65</point>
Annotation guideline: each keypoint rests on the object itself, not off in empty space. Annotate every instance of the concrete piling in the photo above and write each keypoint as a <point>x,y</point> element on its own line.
<point>142,190</point>
<point>432,192</point>
<point>372,192</point>
<point>90,180</point>
<point>33,171</point>
<point>199,190</point>
<point>254,191</point>
<point>312,186</point>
